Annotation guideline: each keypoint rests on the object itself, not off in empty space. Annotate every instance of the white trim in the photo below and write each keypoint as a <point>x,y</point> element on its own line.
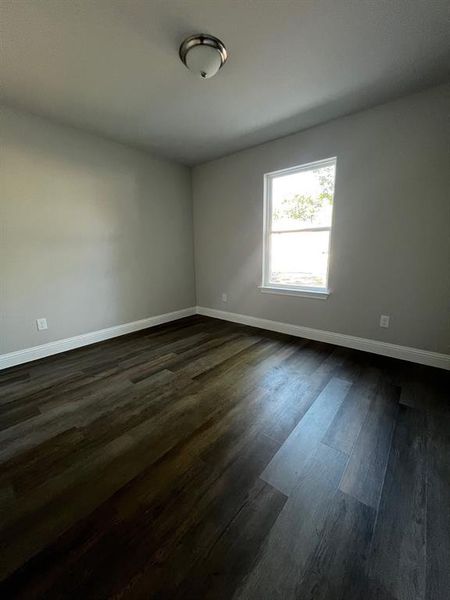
<point>416,355</point>
<point>322,294</point>
<point>324,162</point>
<point>22,356</point>
<point>267,217</point>
<point>423,357</point>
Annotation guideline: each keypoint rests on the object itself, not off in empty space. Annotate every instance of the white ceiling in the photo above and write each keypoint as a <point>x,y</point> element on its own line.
<point>112,66</point>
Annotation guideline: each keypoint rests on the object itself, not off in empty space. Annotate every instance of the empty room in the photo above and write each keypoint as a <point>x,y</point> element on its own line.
<point>225,299</point>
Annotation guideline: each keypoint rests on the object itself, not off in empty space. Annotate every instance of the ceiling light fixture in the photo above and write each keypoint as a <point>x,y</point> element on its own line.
<point>203,54</point>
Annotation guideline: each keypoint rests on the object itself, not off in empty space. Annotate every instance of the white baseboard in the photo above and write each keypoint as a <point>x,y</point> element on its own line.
<point>22,356</point>
<point>423,357</point>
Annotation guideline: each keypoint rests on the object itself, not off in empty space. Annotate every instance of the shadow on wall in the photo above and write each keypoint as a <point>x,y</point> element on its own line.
<point>88,232</point>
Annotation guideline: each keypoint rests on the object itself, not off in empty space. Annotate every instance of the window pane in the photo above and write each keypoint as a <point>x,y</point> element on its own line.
<point>299,258</point>
<point>303,199</point>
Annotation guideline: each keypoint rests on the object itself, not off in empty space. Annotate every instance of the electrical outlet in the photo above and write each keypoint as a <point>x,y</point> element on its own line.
<point>384,320</point>
<point>224,297</point>
<point>41,324</point>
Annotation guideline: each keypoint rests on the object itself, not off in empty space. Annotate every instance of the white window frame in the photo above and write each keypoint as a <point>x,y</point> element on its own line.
<point>273,288</point>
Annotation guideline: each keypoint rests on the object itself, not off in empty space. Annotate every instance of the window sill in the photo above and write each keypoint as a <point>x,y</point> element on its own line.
<point>305,293</point>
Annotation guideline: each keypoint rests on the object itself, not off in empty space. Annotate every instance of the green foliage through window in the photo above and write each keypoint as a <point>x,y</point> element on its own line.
<point>304,207</point>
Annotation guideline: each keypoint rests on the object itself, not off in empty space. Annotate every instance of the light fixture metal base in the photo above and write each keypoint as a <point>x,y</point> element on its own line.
<point>203,39</point>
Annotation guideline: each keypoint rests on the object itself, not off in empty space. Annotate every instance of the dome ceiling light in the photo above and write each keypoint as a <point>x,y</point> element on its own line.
<point>203,54</point>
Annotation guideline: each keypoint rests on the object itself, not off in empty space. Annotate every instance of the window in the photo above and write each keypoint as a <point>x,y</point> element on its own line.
<point>298,208</point>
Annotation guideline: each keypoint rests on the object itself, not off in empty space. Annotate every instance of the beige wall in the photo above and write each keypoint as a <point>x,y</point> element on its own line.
<point>93,234</point>
<point>390,249</point>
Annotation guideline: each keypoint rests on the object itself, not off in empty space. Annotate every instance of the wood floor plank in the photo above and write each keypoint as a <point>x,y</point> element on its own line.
<point>397,565</point>
<point>78,445</point>
<point>34,431</point>
<point>17,415</point>
<point>438,507</point>
<point>6,498</point>
<point>337,568</point>
<point>364,475</point>
<point>207,521</point>
<point>51,509</point>
<point>286,467</point>
<point>429,393</point>
<point>219,573</point>
<point>302,389</point>
<point>297,531</point>
<point>202,458</point>
<point>346,426</point>
<point>214,357</point>
<point>191,516</point>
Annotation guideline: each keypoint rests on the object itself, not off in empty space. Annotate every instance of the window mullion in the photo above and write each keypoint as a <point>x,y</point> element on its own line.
<point>303,230</point>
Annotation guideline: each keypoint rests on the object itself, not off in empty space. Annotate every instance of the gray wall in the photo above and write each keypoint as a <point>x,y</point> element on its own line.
<point>390,251</point>
<point>93,234</point>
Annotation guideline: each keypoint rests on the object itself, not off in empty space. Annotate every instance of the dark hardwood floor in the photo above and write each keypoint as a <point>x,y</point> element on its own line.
<point>203,459</point>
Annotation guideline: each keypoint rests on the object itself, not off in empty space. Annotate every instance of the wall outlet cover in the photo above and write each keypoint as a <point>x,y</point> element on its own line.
<point>224,297</point>
<point>384,320</point>
<point>41,324</point>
